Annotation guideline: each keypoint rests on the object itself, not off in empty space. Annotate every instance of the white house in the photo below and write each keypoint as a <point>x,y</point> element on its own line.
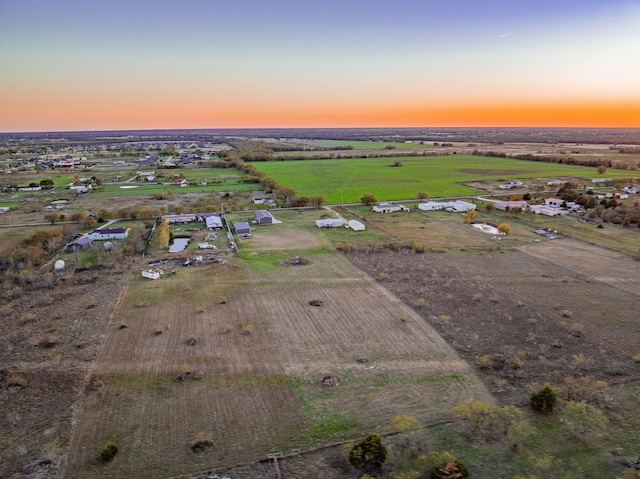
<point>109,234</point>
<point>547,210</point>
<point>389,208</point>
<point>554,202</point>
<point>356,225</point>
<point>430,206</point>
<point>330,223</point>
<point>509,205</point>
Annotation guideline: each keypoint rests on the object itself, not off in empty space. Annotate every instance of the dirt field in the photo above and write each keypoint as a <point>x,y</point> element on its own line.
<point>52,327</point>
<point>252,380</point>
<point>524,316</point>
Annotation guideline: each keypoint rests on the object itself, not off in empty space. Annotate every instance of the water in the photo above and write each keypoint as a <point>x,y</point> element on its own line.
<point>178,245</point>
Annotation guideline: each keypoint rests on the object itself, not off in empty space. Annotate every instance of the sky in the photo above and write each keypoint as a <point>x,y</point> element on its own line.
<point>69,65</point>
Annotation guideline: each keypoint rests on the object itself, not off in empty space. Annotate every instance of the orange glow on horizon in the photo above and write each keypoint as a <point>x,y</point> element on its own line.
<point>122,114</point>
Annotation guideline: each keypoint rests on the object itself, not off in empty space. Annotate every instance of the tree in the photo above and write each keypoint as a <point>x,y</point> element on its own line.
<point>46,183</point>
<point>470,216</point>
<point>422,195</point>
<point>368,199</point>
<point>602,169</point>
<point>490,207</point>
<point>163,233</point>
<point>504,228</point>
<point>318,201</point>
<point>108,451</point>
<point>544,400</point>
<point>53,217</point>
<point>368,453</point>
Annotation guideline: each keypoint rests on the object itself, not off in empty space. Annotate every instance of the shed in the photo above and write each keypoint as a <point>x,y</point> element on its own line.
<point>242,228</point>
<point>79,244</point>
<point>356,225</point>
<point>213,222</point>
<point>263,217</point>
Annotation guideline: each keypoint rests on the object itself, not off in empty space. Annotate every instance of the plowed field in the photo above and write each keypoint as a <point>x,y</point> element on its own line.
<point>251,383</point>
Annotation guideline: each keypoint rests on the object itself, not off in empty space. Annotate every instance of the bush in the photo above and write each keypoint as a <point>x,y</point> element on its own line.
<point>504,228</point>
<point>544,400</point>
<point>368,453</point>
<point>108,452</point>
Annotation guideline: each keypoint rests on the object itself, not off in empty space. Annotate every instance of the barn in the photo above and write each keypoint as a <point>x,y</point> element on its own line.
<point>263,217</point>
<point>242,228</point>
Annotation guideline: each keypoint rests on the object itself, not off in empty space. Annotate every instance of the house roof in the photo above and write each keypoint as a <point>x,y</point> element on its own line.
<point>262,214</point>
<point>110,231</point>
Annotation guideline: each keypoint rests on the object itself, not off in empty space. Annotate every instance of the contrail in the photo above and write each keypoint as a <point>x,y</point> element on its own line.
<point>504,35</point>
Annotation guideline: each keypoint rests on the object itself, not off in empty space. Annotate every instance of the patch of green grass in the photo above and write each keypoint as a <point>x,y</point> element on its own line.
<point>348,179</point>
<point>331,427</point>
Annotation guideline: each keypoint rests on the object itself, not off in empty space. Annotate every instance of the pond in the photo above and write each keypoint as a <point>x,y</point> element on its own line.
<point>178,245</point>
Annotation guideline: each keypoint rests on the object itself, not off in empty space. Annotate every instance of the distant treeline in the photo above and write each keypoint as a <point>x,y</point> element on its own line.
<point>567,160</point>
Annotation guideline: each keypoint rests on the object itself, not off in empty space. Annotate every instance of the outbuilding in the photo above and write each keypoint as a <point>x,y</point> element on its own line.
<point>356,225</point>
<point>213,222</point>
<point>79,244</point>
<point>242,228</point>
<point>263,217</point>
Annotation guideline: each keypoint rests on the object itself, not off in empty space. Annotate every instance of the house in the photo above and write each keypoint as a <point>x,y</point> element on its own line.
<point>509,205</point>
<point>430,206</point>
<point>510,185</point>
<point>547,210</point>
<point>554,202</point>
<point>330,223</point>
<point>263,217</point>
<point>389,208</point>
<point>213,222</point>
<point>601,180</point>
<point>81,243</point>
<point>109,234</point>
<point>242,228</point>
<point>356,225</point>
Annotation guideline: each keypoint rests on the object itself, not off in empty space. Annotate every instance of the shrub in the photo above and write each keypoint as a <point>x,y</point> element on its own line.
<point>544,400</point>
<point>368,453</point>
<point>504,228</point>
<point>108,452</point>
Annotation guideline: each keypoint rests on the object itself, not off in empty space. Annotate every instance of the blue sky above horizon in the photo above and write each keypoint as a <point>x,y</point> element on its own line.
<point>74,65</point>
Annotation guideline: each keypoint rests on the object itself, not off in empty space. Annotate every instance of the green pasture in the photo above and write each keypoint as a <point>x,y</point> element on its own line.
<point>348,179</point>
<point>373,145</point>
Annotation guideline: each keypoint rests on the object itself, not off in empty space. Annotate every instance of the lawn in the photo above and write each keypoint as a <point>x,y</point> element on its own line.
<point>347,180</point>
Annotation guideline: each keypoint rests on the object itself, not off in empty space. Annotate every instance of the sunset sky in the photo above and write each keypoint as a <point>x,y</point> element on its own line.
<point>147,64</point>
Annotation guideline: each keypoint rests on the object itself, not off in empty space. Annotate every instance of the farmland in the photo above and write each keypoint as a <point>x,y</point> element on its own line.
<point>341,180</point>
<point>224,362</point>
<point>254,375</point>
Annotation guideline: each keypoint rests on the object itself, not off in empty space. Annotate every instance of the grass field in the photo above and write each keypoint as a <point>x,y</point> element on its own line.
<point>347,180</point>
